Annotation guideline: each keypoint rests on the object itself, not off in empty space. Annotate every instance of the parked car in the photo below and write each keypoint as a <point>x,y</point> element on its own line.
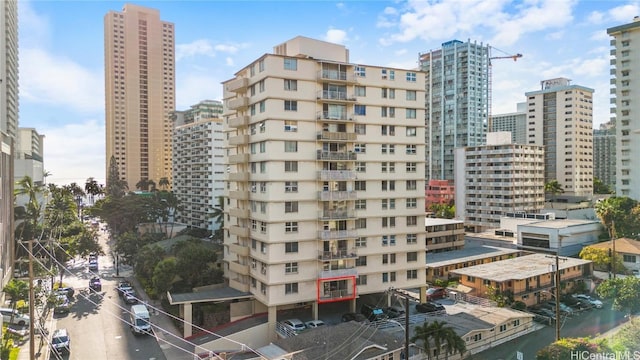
<point>66,291</point>
<point>593,301</point>
<point>373,313</point>
<point>95,284</point>
<point>435,293</point>
<point>123,286</point>
<point>354,317</point>
<point>130,296</point>
<point>60,342</point>
<point>429,307</point>
<point>18,318</point>
<point>551,305</point>
<point>314,324</point>
<point>61,304</point>
<point>394,311</point>
<point>295,325</point>
<point>93,265</point>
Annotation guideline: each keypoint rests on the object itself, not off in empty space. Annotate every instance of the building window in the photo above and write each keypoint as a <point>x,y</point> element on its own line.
<point>412,256</point>
<point>291,207</point>
<point>412,238</point>
<point>388,185</point>
<point>388,204</point>
<point>291,166</point>
<point>361,280</point>
<point>503,327</point>
<point>360,129</point>
<point>361,91</point>
<point>388,222</point>
<point>291,288</point>
<point>411,167</point>
<point>385,277</point>
<point>361,204</point>
<point>361,242</point>
<point>360,185</point>
<point>412,274</point>
<point>291,227</point>
<point>361,223</point>
<point>411,131</point>
<point>411,184</point>
<point>291,247</point>
<point>290,105</point>
<point>388,167</point>
<point>388,130</point>
<point>411,113</point>
<point>290,126</point>
<point>412,221</point>
<point>360,71</point>
<point>261,86</point>
<point>411,77</point>
<point>290,146</point>
<point>291,268</point>
<point>263,288</point>
<point>290,85</point>
<point>263,227</point>
<point>361,261</point>
<point>411,95</point>
<point>360,109</point>
<point>411,149</point>
<point>412,203</point>
<point>360,148</point>
<point>361,166</point>
<point>261,65</point>
<point>290,64</point>
<point>263,248</point>
<point>263,187</point>
<point>261,126</point>
<point>263,146</point>
<point>290,186</point>
<point>629,258</point>
<point>263,167</point>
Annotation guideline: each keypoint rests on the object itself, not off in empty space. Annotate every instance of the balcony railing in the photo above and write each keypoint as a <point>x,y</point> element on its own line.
<point>337,175</point>
<point>336,75</point>
<point>336,294</point>
<point>335,95</point>
<point>338,254</point>
<point>327,115</point>
<point>336,136</point>
<point>236,84</point>
<point>337,234</point>
<point>336,155</point>
<point>326,274</point>
<point>336,214</point>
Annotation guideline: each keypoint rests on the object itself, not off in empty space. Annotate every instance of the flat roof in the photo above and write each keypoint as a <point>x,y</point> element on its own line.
<point>466,254</point>
<point>217,295</point>
<point>559,223</point>
<point>440,221</point>
<point>519,268</point>
<point>620,28</point>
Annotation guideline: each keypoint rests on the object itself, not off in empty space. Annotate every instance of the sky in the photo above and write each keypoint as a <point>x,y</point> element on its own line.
<point>62,53</point>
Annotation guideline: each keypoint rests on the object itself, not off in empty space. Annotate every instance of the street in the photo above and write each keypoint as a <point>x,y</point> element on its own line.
<point>590,323</point>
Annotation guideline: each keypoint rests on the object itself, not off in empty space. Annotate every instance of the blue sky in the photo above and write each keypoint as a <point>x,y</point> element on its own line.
<point>62,56</point>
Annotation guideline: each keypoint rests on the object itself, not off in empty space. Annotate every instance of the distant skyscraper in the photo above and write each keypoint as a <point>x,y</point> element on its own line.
<point>457,90</point>
<point>560,118</point>
<point>29,155</point>
<point>625,66</point>
<point>8,131</point>
<point>515,123</point>
<point>198,162</point>
<point>604,154</point>
<point>140,93</point>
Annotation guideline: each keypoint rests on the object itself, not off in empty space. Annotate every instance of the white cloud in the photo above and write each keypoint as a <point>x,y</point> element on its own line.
<point>204,47</point>
<point>336,36</point>
<point>400,52</point>
<point>229,61</point>
<point>596,17</point>
<point>75,152</point>
<point>194,87</point>
<point>56,80</point>
<point>34,27</point>
<point>624,13</point>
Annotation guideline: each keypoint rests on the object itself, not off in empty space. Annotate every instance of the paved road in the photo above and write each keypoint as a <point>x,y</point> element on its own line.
<point>590,323</point>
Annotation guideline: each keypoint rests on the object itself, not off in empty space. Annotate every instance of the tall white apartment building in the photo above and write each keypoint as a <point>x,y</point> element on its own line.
<point>457,93</point>
<point>560,118</point>
<point>198,162</point>
<point>8,131</point>
<point>140,93</point>
<point>29,155</point>
<point>625,68</point>
<point>515,123</point>
<point>604,154</point>
<point>496,179</point>
<point>326,177</point>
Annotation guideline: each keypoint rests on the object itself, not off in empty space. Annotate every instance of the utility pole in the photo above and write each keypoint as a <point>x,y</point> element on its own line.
<point>406,320</point>
<point>32,300</point>
<point>557,283</point>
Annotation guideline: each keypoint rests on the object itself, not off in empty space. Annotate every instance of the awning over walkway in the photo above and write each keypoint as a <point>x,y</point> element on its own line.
<point>216,295</point>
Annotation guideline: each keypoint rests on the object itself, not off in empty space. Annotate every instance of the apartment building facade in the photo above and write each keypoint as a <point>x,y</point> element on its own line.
<point>457,93</point>
<point>139,92</point>
<point>515,123</point>
<point>8,131</point>
<point>29,155</point>
<point>498,178</point>
<point>625,43</point>
<point>198,163</point>
<point>560,118</point>
<point>604,154</point>
<point>325,178</point>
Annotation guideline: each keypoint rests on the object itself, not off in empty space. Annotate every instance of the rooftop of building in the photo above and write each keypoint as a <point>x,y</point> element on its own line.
<point>560,223</point>
<point>519,268</point>
<point>632,25</point>
<point>467,254</point>
<point>623,245</point>
<point>440,221</point>
<point>488,314</point>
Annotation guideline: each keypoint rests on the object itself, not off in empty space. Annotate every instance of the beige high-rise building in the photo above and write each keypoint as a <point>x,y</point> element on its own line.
<point>560,118</point>
<point>140,93</point>
<point>325,178</point>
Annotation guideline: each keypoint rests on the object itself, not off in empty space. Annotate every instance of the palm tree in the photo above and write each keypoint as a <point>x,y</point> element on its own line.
<point>440,335</point>
<point>17,290</point>
<point>143,184</point>
<point>423,333</point>
<point>33,206</point>
<point>92,188</point>
<point>453,343</point>
<point>218,218</point>
<point>606,211</point>
<point>554,188</point>
<point>45,175</point>
<point>164,183</point>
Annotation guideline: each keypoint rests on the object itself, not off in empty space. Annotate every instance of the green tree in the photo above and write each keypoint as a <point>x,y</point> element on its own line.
<point>32,213</point>
<point>625,293</point>
<point>445,211</point>
<point>601,188</point>
<point>566,347</point>
<point>143,184</point>
<point>554,188</point>
<point>502,298</point>
<point>116,187</point>
<point>453,343</point>
<point>147,259</point>
<point>437,334</point>
<point>600,257</point>
<point>164,276</point>
<point>16,290</point>
<point>218,219</point>
<point>628,337</point>
<point>92,188</point>
<point>194,263</point>
<point>164,183</point>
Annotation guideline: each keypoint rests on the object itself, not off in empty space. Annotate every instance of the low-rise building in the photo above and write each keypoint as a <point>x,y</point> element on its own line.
<point>444,234</point>
<point>628,249</point>
<point>564,237</point>
<point>528,278</point>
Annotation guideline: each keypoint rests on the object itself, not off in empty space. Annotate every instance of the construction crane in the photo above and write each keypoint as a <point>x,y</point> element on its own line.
<point>515,57</point>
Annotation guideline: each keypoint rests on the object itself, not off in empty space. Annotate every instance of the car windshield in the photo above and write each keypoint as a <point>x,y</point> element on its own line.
<point>60,339</point>
<point>142,322</point>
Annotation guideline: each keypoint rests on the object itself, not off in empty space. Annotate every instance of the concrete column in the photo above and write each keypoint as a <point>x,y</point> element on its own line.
<point>352,305</point>
<point>272,318</point>
<point>389,294</point>
<point>314,310</point>
<point>423,294</point>
<point>188,319</point>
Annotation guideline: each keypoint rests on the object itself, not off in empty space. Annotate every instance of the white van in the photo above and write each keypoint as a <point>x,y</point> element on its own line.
<point>140,319</point>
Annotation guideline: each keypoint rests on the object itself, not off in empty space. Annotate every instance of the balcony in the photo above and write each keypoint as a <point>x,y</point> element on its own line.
<point>336,136</point>
<point>239,249</point>
<point>239,195</point>
<point>336,214</point>
<point>236,85</point>
<point>238,268</point>
<point>338,254</point>
<point>327,274</point>
<point>238,158</point>
<point>336,75</point>
<point>337,234</point>
<point>336,175</point>
<point>236,284</point>
<point>239,140</point>
<point>238,103</point>
<point>336,155</point>
<point>239,213</point>
<point>239,121</point>
<point>333,295</point>
<point>239,231</point>
<point>328,115</point>
<point>335,95</point>
<point>337,195</point>
<point>239,176</point>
